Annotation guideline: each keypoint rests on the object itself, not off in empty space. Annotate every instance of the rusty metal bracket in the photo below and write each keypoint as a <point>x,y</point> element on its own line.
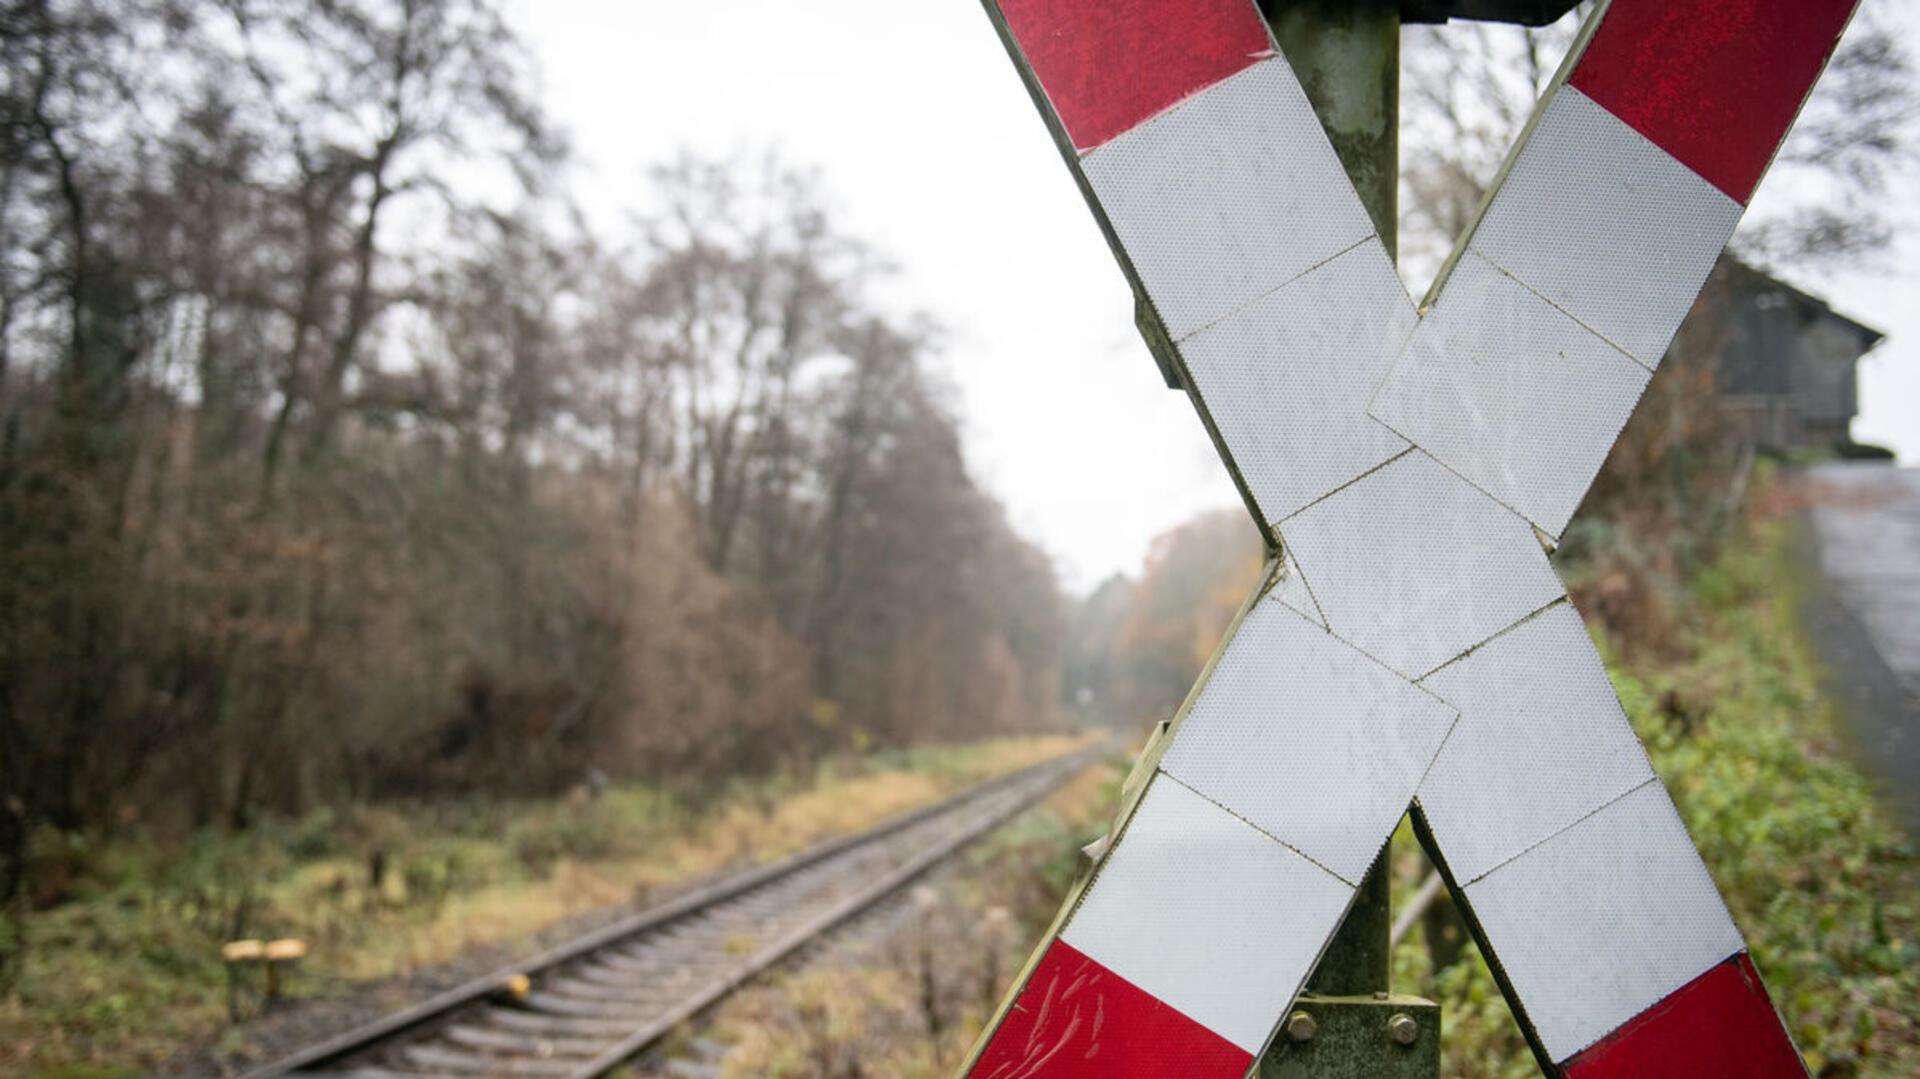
<point>1370,1037</point>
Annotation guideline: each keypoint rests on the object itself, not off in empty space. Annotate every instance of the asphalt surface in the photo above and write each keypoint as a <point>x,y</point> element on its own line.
<point>1863,609</point>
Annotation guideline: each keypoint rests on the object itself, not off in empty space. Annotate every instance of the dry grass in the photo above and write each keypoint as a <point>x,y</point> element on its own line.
<point>1816,873</point>
<point>741,832</point>
<point>122,980</point>
<point>909,1006</point>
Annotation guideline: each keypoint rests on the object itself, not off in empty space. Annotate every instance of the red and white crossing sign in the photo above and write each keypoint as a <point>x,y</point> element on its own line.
<point>1417,649</point>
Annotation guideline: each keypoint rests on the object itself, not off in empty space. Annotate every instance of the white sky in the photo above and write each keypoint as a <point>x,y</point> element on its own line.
<point>932,151</point>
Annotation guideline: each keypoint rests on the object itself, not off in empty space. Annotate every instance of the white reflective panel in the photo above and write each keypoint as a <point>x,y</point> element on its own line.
<point>1508,391</point>
<point>1541,742</point>
<point>1203,912</point>
<point>1294,592</point>
<point>1287,378</point>
<point>1607,225</point>
<point>1603,920</point>
<point>1414,566</point>
<point>1311,741</point>
<point>1226,196</point>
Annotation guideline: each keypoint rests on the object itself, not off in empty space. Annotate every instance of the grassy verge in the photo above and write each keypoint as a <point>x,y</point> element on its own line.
<point>909,1006</point>
<point>1824,885</point>
<point>127,971</point>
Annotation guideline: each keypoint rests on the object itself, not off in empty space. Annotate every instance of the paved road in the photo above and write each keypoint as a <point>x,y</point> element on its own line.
<point>1865,612</point>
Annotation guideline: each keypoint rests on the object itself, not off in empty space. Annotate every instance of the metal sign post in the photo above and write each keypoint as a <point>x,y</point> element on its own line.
<point>1347,1024</point>
<point>1346,53</point>
<point>1410,647</point>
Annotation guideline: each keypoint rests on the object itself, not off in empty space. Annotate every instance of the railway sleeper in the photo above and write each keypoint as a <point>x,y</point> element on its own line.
<point>366,1073</point>
<point>625,993</point>
<point>601,973</point>
<point>556,1026</point>
<point>642,984</point>
<point>587,1009</point>
<point>480,1037</point>
<point>457,1062</point>
<point>659,963</point>
<point>642,963</point>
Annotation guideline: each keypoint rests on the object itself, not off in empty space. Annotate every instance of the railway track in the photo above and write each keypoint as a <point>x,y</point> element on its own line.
<point>595,1002</point>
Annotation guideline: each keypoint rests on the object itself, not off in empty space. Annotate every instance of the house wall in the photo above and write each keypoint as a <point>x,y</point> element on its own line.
<point>1787,363</point>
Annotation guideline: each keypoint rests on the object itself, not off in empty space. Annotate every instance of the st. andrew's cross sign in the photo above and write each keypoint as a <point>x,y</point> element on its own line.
<point>1412,646</point>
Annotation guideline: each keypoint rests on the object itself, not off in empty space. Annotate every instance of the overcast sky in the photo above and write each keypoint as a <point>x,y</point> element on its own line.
<point>932,151</point>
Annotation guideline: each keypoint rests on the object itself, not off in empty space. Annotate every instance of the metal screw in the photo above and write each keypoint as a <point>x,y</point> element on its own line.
<point>1301,1027</point>
<point>1403,1029</point>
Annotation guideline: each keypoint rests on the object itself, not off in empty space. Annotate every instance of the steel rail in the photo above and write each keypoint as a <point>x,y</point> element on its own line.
<point>396,1026</point>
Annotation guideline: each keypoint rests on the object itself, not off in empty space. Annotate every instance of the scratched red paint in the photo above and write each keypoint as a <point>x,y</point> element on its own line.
<point>1078,1020</point>
<point>1107,66</point>
<point>1715,83</point>
<point>1718,1026</point>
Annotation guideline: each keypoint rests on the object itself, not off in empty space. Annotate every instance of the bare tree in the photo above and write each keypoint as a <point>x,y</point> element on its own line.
<point>364,105</point>
<point>748,281</point>
<point>324,423</point>
<point>306,444</point>
<point>1659,506</point>
<point>1470,87</point>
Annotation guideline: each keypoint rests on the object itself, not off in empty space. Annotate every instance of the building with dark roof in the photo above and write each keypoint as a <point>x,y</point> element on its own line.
<point>1786,361</point>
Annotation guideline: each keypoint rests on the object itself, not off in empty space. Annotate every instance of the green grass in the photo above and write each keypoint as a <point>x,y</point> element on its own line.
<point>127,971</point>
<point>1821,882</point>
<point>911,1009</point>
<point>1824,885</point>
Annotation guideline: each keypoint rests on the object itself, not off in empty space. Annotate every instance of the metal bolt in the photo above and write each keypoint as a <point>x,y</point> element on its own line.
<point>1301,1027</point>
<point>1403,1029</point>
